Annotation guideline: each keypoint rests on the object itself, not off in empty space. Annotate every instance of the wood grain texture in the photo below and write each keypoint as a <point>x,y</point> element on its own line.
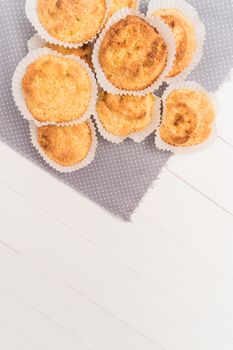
<point>79,264</point>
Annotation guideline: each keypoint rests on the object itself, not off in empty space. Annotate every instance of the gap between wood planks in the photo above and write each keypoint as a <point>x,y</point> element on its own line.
<point>125,266</point>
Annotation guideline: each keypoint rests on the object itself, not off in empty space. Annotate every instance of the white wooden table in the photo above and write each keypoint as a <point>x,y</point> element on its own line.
<point>72,277</point>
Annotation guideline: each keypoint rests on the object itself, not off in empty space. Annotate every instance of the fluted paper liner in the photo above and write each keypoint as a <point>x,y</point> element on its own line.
<point>192,16</point>
<point>136,136</point>
<point>164,31</point>
<point>18,93</point>
<point>64,169</point>
<point>32,15</point>
<point>187,85</point>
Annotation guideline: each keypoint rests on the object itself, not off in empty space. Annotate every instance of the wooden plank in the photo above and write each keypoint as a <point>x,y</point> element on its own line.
<point>11,339</point>
<point>163,261</point>
<point>41,332</point>
<point>191,219</point>
<point>130,298</point>
<point>209,172</point>
<point>56,305</point>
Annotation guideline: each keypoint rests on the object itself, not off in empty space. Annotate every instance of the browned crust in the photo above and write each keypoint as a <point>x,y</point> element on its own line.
<point>116,5</point>
<point>56,89</point>
<point>72,21</point>
<point>124,115</point>
<point>185,38</point>
<point>132,54</point>
<point>84,52</point>
<point>188,118</point>
<point>66,146</point>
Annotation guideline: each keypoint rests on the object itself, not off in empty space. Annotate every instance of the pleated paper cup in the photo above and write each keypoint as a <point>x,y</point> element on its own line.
<point>193,86</point>
<point>137,136</point>
<point>35,42</point>
<point>192,16</point>
<point>18,93</point>
<point>64,169</point>
<point>32,15</point>
<point>163,30</point>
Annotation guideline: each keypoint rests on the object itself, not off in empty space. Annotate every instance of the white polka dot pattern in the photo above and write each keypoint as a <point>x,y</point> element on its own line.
<point>120,174</point>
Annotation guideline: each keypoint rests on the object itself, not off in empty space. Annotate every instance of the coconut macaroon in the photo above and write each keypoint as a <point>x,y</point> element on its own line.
<point>125,115</point>
<point>132,54</point>
<point>184,35</point>
<point>188,118</point>
<point>116,5</point>
<point>66,146</point>
<point>72,21</point>
<point>84,52</point>
<point>56,89</point>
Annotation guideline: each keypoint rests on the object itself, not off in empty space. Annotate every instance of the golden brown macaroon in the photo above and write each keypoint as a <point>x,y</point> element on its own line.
<point>66,146</point>
<point>116,5</point>
<point>56,89</point>
<point>132,54</point>
<point>84,52</point>
<point>185,38</point>
<point>125,115</point>
<point>188,118</point>
<point>72,21</point>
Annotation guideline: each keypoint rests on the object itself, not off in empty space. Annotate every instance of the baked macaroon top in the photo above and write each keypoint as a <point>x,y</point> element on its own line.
<point>66,146</point>
<point>124,115</point>
<point>132,54</point>
<point>188,118</point>
<point>72,21</point>
<point>184,35</point>
<point>116,5</point>
<point>84,52</point>
<point>56,89</point>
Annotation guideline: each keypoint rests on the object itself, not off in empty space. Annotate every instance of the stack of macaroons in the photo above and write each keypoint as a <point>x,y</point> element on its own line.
<point>104,59</point>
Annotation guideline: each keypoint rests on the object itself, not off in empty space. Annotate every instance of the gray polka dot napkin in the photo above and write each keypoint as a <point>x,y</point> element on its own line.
<point>121,174</point>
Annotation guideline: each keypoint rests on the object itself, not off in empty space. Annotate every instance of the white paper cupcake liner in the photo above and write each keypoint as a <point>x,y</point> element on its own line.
<point>192,16</point>
<point>164,31</point>
<point>64,169</point>
<point>35,42</point>
<point>18,93</point>
<point>137,136</point>
<point>32,15</point>
<point>187,85</point>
